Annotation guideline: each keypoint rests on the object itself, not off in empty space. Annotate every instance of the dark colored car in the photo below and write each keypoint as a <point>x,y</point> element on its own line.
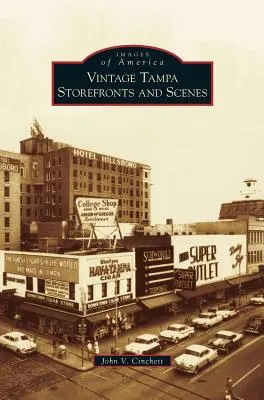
<point>255,325</point>
<point>225,341</point>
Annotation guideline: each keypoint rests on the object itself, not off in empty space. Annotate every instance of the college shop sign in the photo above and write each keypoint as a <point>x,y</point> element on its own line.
<point>60,268</point>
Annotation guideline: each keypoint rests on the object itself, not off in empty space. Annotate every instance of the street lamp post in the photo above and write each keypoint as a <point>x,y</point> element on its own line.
<point>116,315</point>
<point>83,321</point>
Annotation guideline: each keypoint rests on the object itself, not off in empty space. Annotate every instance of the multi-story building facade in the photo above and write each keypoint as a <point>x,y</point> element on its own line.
<point>63,173</point>
<point>41,183</point>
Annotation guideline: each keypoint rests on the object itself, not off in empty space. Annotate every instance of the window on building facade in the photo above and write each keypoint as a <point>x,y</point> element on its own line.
<point>112,179</point>
<point>7,237</point>
<point>90,187</point>
<point>128,285</point>
<point>29,283</point>
<point>137,193</point>
<point>131,203</point>
<point>146,204</point>
<point>113,167</point>
<point>137,214</point>
<point>4,279</point>
<point>7,206</point>
<point>90,175</point>
<point>131,192</point>
<point>90,163</point>
<point>74,160</point>
<point>120,213</point>
<point>146,215</point>
<point>7,191</point>
<point>90,292</point>
<point>113,190</point>
<point>60,161</point>
<point>28,200</point>
<point>104,289</point>
<point>41,285</point>
<point>99,177</point>
<point>117,287</point>
<point>6,176</point>
<point>99,165</point>
<point>146,174</point>
<point>28,212</point>
<point>7,222</point>
<point>99,189</point>
<point>22,171</point>
<point>72,291</point>
<point>75,185</point>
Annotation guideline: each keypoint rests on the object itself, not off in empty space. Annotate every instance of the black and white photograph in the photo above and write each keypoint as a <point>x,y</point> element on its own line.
<point>131,200</point>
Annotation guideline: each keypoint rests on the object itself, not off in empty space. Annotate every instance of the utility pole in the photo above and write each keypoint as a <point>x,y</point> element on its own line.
<point>116,315</point>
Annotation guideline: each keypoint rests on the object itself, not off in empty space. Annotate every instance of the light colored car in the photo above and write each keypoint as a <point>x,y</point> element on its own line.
<point>176,332</point>
<point>257,299</point>
<point>225,341</point>
<point>144,344</point>
<point>207,320</point>
<point>225,313</point>
<point>195,358</point>
<point>18,342</point>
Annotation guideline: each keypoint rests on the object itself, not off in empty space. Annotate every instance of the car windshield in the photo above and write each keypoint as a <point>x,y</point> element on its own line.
<point>212,310</point>
<point>140,340</point>
<point>175,328</point>
<point>24,337</point>
<point>192,353</point>
<point>204,316</point>
<point>221,336</point>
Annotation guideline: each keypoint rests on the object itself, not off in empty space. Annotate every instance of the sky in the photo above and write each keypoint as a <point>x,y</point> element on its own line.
<point>199,155</point>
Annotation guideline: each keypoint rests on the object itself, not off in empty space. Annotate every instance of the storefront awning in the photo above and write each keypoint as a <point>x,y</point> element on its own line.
<point>243,279</point>
<point>101,316</point>
<point>48,312</point>
<point>160,301</point>
<point>203,290</point>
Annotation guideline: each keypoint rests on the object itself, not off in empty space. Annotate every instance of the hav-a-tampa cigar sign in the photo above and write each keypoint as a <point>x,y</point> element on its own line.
<point>132,75</point>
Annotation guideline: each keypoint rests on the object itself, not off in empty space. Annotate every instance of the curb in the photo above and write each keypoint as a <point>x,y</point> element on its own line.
<point>62,362</point>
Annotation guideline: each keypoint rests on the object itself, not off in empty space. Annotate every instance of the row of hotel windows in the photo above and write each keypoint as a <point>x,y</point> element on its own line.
<point>104,287</point>
<point>255,256</point>
<point>114,179</point>
<point>256,237</point>
<point>114,189</point>
<point>91,163</point>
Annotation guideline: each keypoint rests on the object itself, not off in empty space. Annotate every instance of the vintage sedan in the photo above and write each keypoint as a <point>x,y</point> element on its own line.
<point>144,344</point>
<point>176,332</point>
<point>225,341</point>
<point>195,358</point>
<point>254,325</point>
<point>225,312</point>
<point>257,300</point>
<point>207,320</point>
<point>18,342</point>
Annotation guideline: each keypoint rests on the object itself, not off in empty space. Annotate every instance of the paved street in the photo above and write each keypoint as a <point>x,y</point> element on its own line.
<point>40,378</point>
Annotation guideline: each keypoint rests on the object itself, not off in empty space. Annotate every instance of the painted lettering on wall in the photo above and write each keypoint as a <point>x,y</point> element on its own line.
<point>109,269</point>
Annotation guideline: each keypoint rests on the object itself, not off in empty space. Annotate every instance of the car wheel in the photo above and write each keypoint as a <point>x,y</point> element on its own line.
<point>18,352</point>
<point>190,334</point>
<point>176,340</point>
<point>196,371</point>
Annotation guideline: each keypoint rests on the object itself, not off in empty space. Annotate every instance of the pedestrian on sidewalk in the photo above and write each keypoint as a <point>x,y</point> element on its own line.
<point>89,349</point>
<point>54,346</point>
<point>96,347</point>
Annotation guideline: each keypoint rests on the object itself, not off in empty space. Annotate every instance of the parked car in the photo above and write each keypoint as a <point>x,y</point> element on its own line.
<point>144,344</point>
<point>257,300</point>
<point>225,312</point>
<point>176,332</point>
<point>255,325</point>
<point>18,342</point>
<point>225,341</point>
<point>195,358</point>
<point>207,320</point>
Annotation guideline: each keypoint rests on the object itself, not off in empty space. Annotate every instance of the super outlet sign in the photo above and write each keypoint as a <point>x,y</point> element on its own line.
<point>213,257</point>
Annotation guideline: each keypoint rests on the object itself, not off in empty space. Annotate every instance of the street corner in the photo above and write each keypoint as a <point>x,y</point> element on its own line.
<point>69,362</point>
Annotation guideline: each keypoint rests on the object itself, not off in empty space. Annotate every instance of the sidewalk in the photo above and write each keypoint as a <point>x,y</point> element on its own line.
<point>73,358</point>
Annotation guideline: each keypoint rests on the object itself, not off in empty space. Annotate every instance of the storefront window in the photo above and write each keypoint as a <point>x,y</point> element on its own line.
<point>117,287</point>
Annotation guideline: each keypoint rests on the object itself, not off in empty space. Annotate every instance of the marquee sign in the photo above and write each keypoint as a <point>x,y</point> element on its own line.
<point>96,211</point>
<point>53,302</point>
<point>185,279</point>
<point>106,303</point>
